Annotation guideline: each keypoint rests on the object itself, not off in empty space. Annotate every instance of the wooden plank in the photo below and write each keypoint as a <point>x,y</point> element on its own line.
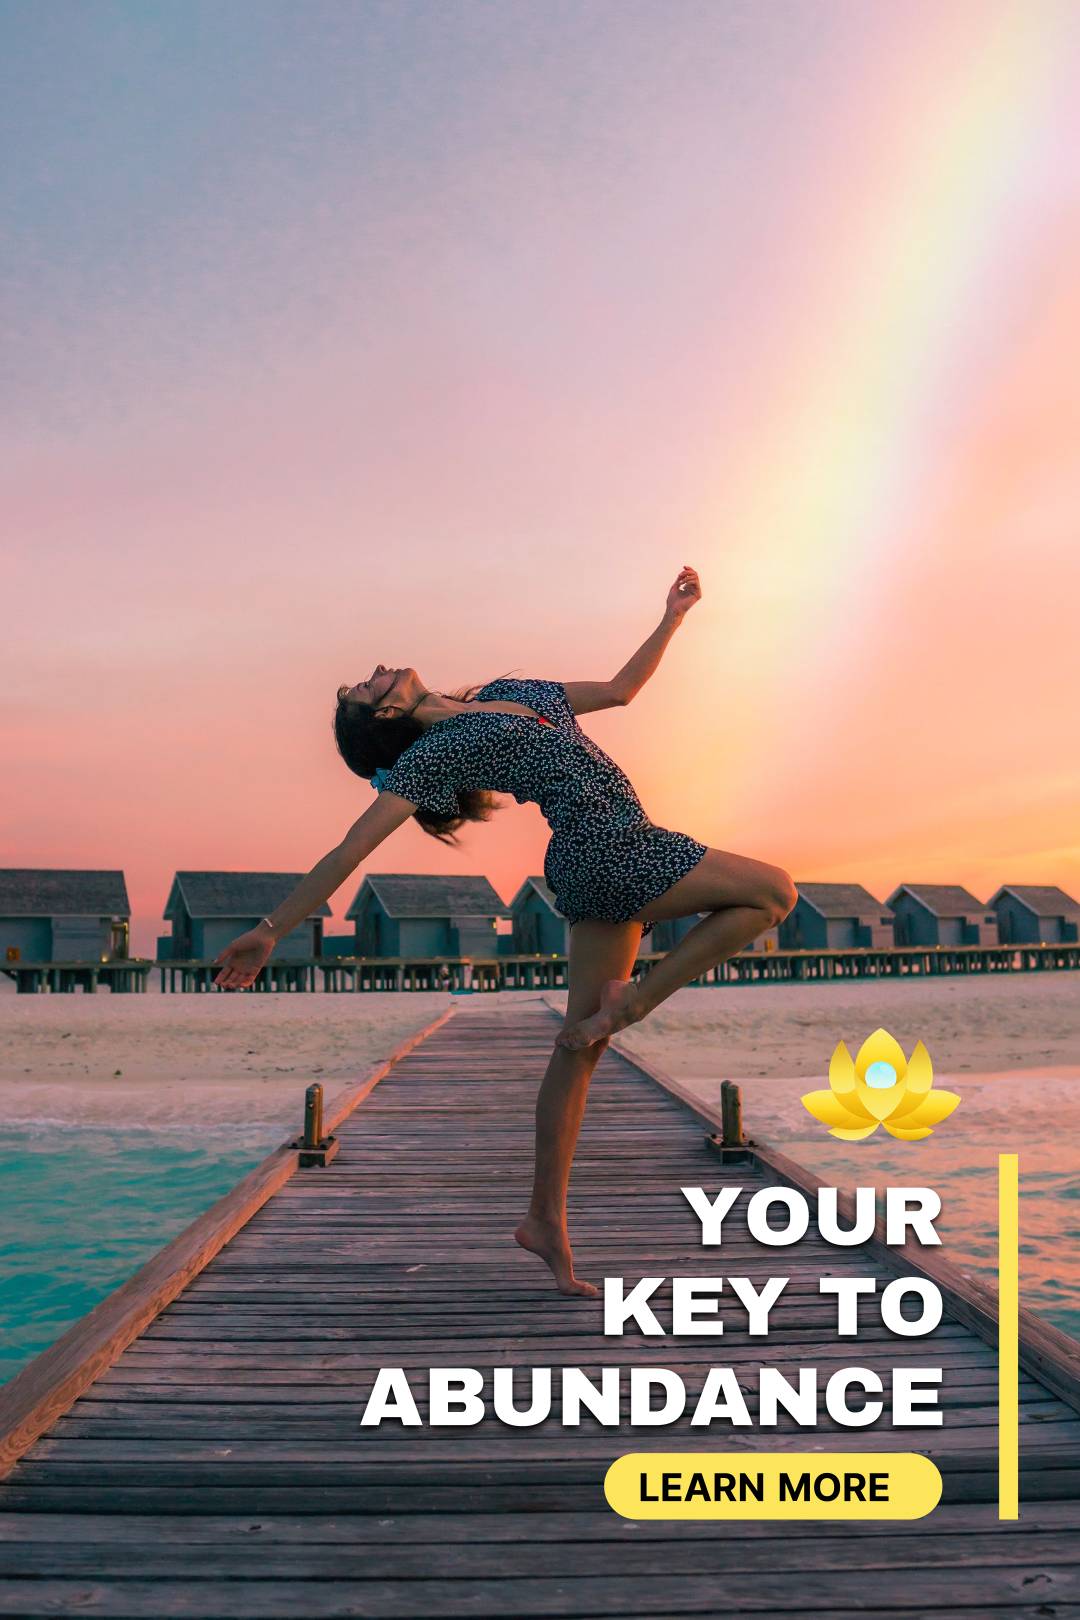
<point>471,1346</point>
<point>303,1359</point>
<point>399,1556</point>
<point>324,1425</point>
<point>429,1449</point>
<point>832,1592</point>
<point>968,1386</point>
<point>132,1489</point>
<point>595,1525</point>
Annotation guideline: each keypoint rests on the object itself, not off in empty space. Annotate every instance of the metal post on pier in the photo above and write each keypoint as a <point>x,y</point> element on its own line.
<point>313,1116</point>
<point>730,1144</point>
<point>314,1147</point>
<point>731,1113</point>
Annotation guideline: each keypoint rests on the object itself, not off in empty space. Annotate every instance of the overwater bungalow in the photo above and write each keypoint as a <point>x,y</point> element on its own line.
<point>836,916</point>
<point>61,914</point>
<point>1035,914</point>
<point>413,914</point>
<point>538,928</point>
<point>941,914</point>
<point>208,909</point>
<point>667,934</point>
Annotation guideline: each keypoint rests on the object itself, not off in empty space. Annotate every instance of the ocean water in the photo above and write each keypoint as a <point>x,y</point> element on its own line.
<point>81,1208</point>
<point>967,1180</point>
<point>1034,1114</point>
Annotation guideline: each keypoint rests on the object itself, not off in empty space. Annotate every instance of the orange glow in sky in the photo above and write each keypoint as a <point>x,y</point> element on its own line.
<point>447,346</point>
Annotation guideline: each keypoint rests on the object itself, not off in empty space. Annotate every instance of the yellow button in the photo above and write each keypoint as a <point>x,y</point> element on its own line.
<point>773,1485</point>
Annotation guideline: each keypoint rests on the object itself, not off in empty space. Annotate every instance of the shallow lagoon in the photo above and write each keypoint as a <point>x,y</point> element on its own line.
<point>81,1209</point>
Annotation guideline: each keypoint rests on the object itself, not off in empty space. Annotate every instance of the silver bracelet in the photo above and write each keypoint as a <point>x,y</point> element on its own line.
<point>269,924</point>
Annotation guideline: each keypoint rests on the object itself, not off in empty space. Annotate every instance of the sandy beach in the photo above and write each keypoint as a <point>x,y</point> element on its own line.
<point>996,1041</point>
<point>164,1060</point>
<point>171,1060</point>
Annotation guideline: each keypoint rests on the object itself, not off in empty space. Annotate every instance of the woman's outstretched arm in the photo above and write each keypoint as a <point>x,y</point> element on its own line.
<point>584,696</point>
<point>242,961</point>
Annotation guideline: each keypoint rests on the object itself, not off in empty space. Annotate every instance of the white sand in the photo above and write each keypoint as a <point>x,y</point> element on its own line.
<point>1009,1046</point>
<point>169,1060</point>
<point>1015,1021</point>
<point>221,1058</point>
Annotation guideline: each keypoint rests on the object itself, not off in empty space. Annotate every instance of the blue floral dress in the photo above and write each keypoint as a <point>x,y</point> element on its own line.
<point>606,859</point>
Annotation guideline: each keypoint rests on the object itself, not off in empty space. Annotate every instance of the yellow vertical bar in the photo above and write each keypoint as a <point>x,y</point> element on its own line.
<point>1008,1336</point>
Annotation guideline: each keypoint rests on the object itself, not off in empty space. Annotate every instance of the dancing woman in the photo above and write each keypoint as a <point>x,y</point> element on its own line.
<point>612,871</point>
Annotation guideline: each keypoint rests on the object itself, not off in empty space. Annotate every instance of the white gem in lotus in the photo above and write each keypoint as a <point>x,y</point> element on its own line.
<point>881,1076</point>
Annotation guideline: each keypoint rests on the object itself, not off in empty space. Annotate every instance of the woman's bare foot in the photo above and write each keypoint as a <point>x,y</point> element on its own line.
<point>549,1240</point>
<point>619,1006</point>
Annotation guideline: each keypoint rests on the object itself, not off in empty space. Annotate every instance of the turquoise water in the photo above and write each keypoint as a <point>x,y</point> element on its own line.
<point>966,1176</point>
<point>81,1209</point>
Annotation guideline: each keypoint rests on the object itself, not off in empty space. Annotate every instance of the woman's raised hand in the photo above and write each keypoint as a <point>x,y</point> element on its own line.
<point>684,593</point>
<point>242,960</point>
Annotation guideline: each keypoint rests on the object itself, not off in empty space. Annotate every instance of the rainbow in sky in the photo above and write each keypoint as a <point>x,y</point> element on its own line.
<point>850,459</point>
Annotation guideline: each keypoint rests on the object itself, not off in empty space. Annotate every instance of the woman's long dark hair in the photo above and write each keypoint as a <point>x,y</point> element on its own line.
<point>367,744</point>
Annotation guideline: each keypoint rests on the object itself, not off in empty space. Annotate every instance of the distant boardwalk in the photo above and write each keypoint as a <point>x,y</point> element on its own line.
<point>360,974</point>
<point>216,1466</point>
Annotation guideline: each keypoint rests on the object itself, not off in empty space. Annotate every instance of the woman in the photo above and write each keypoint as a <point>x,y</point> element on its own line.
<point>612,871</point>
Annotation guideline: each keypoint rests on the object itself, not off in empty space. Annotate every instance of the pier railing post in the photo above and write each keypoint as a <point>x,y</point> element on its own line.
<point>313,1115</point>
<point>731,1114</point>
<point>314,1147</point>
<point>730,1144</point>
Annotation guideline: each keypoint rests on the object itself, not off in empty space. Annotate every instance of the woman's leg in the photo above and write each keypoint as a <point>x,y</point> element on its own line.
<point>740,898</point>
<point>600,953</point>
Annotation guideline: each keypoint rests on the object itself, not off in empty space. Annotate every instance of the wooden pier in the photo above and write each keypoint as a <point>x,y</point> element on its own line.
<point>60,978</point>
<point>193,1447</point>
<point>358,974</point>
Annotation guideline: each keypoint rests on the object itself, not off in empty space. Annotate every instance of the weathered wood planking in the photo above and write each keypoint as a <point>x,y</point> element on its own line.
<point>217,1466</point>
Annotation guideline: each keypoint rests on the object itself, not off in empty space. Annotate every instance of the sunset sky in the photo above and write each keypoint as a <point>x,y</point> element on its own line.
<point>444,333</point>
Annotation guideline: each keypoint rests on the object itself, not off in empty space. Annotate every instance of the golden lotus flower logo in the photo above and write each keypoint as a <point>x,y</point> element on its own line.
<point>881,1087</point>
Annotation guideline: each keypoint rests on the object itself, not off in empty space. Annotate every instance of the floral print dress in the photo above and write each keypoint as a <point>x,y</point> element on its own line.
<point>606,859</point>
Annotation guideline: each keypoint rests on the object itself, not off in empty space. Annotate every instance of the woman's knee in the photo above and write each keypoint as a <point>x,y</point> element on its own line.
<point>778,894</point>
<point>774,893</point>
